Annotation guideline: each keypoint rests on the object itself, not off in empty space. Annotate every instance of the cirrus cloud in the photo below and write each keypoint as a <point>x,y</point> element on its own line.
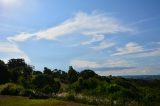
<point>103,45</point>
<point>129,48</point>
<point>109,64</point>
<point>95,25</point>
<point>11,50</point>
<point>135,50</point>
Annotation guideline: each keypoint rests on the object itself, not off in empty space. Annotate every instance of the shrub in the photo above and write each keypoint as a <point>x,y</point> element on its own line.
<point>38,95</point>
<point>26,92</point>
<point>113,88</point>
<point>70,97</point>
<point>10,89</point>
<point>45,84</point>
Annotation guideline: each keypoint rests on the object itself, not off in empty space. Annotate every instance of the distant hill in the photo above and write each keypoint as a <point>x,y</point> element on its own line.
<point>144,77</point>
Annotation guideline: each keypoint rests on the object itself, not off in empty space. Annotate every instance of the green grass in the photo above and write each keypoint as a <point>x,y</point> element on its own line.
<point>24,101</point>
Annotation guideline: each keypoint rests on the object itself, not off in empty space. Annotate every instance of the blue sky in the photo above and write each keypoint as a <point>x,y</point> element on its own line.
<point>118,37</point>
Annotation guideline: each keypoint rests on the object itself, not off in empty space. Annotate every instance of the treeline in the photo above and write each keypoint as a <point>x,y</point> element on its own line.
<point>19,78</point>
<point>48,82</point>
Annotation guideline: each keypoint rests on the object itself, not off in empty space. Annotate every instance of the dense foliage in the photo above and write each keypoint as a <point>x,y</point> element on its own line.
<point>19,78</point>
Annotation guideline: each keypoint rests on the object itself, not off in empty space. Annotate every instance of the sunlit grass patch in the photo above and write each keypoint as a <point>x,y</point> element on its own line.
<point>24,101</point>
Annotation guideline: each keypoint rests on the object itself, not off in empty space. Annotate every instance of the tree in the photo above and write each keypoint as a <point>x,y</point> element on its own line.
<point>27,71</point>
<point>57,73</point>
<point>72,75</point>
<point>39,81</point>
<point>86,74</point>
<point>15,74</point>
<point>47,89</point>
<point>14,63</point>
<point>26,76</point>
<point>46,84</point>
<point>18,69</point>
<point>37,72</point>
<point>4,73</point>
<point>47,71</point>
<point>63,77</point>
<point>56,87</point>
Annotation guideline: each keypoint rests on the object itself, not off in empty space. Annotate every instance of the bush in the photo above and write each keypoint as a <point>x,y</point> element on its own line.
<point>38,95</point>
<point>47,89</point>
<point>45,84</point>
<point>26,92</point>
<point>10,89</point>
<point>70,97</point>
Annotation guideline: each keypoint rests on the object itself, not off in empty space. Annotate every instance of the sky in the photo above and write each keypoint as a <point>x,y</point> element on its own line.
<point>111,37</point>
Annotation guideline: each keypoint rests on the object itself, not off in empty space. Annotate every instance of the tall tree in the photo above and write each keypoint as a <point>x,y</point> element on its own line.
<point>4,73</point>
<point>72,75</point>
<point>18,68</point>
<point>14,63</point>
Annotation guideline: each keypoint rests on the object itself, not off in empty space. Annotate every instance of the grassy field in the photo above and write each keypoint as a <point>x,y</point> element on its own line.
<point>24,101</point>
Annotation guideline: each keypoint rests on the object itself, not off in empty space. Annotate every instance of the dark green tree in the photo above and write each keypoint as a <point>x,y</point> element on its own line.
<point>39,81</point>
<point>19,69</point>
<point>63,77</point>
<point>27,71</point>
<point>4,73</point>
<point>15,74</point>
<point>72,75</point>
<point>87,74</point>
<point>37,72</point>
<point>56,87</point>
<point>45,83</point>
<point>47,71</point>
<point>14,63</point>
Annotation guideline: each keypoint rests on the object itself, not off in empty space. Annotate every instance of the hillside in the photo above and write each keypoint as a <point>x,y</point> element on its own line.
<point>17,78</point>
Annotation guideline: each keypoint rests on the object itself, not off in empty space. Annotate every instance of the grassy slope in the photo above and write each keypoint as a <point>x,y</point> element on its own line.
<point>23,101</point>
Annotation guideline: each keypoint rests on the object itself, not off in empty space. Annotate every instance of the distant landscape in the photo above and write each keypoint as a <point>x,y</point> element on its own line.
<point>56,87</point>
<point>143,77</point>
<point>79,52</point>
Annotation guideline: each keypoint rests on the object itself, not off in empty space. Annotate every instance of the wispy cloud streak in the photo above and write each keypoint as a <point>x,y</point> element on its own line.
<point>95,25</point>
<point>11,50</point>
<point>135,50</point>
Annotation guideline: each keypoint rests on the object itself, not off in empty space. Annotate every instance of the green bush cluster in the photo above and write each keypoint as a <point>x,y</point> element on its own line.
<point>10,89</point>
<point>19,78</point>
<point>117,91</point>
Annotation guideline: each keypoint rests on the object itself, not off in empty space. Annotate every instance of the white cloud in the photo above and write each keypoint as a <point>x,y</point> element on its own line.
<point>92,64</point>
<point>116,63</point>
<point>10,4</point>
<point>129,48</point>
<point>133,71</point>
<point>150,53</point>
<point>84,64</point>
<point>20,38</point>
<point>115,67</point>
<point>9,47</point>
<point>95,25</point>
<point>136,50</point>
<point>11,50</point>
<point>95,38</point>
<point>103,45</point>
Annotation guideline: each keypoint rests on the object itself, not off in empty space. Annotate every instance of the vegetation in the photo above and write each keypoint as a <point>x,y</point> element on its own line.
<point>24,101</point>
<point>20,79</point>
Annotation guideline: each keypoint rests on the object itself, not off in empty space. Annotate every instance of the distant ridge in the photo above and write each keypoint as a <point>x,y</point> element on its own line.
<point>144,77</point>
